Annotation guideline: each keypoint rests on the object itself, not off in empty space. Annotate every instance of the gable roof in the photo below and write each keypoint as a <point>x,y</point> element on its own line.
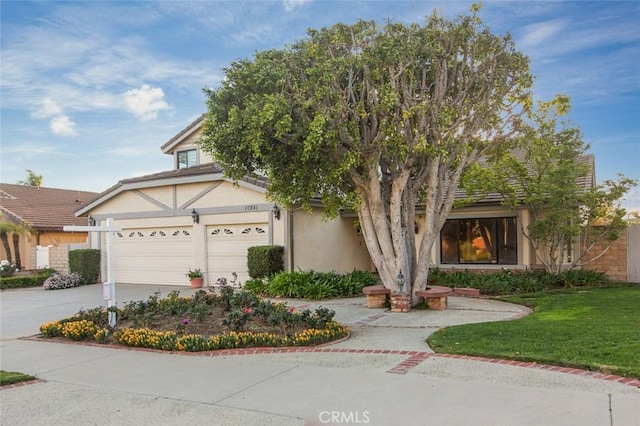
<point>184,133</point>
<point>44,209</point>
<point>207,172</point>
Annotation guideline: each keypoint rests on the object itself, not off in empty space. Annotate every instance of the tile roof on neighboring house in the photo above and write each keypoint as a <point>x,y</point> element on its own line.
<point>45,209</point>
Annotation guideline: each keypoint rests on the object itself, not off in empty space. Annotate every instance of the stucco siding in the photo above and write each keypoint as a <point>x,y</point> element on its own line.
<point>327,245</point>
<point>126,202</point>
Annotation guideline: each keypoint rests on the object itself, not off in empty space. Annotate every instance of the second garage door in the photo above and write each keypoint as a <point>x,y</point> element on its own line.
<point>227,247</point>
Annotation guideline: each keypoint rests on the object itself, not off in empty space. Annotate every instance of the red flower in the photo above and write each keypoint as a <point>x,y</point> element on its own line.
<point>248,310</point>
<point>291,310</point>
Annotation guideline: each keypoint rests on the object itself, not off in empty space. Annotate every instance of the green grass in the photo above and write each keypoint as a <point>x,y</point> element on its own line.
<point>11,377</point>
<point>596,328</point>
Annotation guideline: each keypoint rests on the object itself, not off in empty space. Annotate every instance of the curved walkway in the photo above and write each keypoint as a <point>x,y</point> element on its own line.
<point>384,374</point>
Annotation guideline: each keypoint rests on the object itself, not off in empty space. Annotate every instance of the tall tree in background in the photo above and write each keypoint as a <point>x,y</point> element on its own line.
<point>547,174</point>
<point>375,118</point>
<point>32,179</point>
<point>7,228</point>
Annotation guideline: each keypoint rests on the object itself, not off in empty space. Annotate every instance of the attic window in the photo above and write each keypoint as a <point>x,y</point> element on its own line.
<point>187,158</point>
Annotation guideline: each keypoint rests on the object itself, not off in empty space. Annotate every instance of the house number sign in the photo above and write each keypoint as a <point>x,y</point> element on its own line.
<point>250,208</point>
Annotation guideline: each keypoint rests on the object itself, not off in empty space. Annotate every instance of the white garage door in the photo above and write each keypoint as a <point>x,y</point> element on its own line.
<point>227,249</point>
<point>153,256</point>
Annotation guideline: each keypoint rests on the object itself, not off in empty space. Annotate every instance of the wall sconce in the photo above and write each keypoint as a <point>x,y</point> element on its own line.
<point>276,211</point>
<point>195,216</point>
<point>92,221</point>
<point>401,280</point>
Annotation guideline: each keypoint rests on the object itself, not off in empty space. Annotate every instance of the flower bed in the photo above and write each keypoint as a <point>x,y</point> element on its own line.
<point>203,322</point>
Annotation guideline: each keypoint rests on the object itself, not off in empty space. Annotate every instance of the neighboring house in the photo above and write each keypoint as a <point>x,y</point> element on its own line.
<point>45,211</point>
<point>194,217</point>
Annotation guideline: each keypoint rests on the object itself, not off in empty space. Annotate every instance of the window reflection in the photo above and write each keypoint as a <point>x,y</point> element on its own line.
<point>484,241</point>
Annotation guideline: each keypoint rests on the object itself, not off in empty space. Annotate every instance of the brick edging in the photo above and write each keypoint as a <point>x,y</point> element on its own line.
<point>22,384</point>
<point>414,357</point>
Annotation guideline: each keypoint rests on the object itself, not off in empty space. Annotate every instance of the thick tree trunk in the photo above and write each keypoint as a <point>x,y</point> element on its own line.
<point>16,250</point>
<point>5,243</point>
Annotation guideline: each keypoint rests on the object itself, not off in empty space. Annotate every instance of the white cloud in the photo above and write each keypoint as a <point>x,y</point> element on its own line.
<point>63,125</point>
<point>49,107</point>
<point>145,102</point>
<point>541,32</point>
<point>290,5</point>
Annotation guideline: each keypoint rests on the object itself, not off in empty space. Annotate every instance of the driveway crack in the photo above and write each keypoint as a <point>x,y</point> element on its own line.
<point>254,384</point>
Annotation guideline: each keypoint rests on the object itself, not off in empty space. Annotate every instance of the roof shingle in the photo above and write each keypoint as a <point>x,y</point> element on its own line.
<point>45,209</point>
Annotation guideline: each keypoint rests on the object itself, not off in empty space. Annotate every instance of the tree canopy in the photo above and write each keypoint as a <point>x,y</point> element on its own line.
<point>546,174</point>
<point>382,119</point>
<point>33,179</point>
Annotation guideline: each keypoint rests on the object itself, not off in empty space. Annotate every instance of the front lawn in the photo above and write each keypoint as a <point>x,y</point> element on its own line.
<point>592,328</point>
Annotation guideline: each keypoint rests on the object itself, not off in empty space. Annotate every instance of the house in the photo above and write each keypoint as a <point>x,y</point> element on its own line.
<point>194,217</point>
<point>42,212</point>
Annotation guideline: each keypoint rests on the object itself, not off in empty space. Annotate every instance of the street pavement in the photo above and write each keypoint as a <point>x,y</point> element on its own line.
<point>384,374</point>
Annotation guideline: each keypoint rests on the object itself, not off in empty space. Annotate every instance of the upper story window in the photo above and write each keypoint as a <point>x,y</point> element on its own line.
<point>488,241</point>
<point>187,158</point>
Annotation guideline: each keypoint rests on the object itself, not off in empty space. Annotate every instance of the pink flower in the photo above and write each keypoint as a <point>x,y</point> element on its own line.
<point>291,310</point>
<point>248,310</point>
<point>185,320</point>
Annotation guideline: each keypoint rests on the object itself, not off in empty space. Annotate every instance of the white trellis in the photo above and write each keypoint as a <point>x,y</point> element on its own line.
<point>108,287</point>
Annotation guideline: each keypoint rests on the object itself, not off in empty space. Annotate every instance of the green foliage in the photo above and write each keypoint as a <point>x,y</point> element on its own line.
<point>265,261</point>
<point>85,262</point>
<point>33,179</point>
<point>256,286</point>
<point>24,281</point>
<point>546,169</point>
<point>583,278</point>
<point>11,377</point>
<point>353,105</point>
<point>596,329</point>
<point>296,328</point>
<point>313,285</point>
<point>512,282</point>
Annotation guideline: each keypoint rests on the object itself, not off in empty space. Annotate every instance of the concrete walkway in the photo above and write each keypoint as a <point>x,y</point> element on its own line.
<point>385,374</point>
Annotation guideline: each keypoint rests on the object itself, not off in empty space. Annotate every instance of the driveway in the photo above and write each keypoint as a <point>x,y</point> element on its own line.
<point>384,374</point>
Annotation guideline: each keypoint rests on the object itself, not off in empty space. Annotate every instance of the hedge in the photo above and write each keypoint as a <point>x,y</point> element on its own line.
<point>265,261</point>
<point>86,262</point>
<point>22,281</point>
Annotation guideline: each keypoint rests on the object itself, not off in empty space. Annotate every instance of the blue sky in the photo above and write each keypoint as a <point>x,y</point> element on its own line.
<point>91,90</point>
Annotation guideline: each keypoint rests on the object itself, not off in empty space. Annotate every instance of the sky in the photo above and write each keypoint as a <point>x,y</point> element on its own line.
<point>90,90</point>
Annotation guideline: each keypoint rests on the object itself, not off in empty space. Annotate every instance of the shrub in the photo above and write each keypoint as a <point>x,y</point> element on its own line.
<point>6,269</point>
<point>60,281</point>
<point>497,283</point>
<point>583,277</point>
<point>85,262</point>
<point>26,280</point>
<point>256,286</point>
<point>312,285</point>
<point>265,261</point>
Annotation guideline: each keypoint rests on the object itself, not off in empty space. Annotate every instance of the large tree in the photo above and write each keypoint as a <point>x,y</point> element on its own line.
<point>547,174</point>
<point>384,119</point>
